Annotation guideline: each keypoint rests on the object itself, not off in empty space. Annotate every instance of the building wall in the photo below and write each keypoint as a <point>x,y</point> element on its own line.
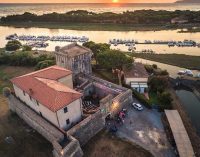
<point>77,64</point>
<point>46,129</point>
<point>46,113</point>
<point>74,114</point>
<point>88,128</point>
<point>129,80</point>
<point>67,81</point>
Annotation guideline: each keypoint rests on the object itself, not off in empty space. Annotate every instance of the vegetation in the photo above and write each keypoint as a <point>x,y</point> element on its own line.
<point>97,48</point>
<point>113,59</point>
<point>26,48</point>
<point>158,93</point>
<point>26,58</point>
<point>13,45</point>
<point>128,17</point>
<point>107,58</point>
<point>181,60</point>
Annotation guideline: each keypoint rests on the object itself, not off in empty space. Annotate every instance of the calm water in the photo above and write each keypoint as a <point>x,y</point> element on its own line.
<point>192,105</point>
<point>9,9</point>
<point>104,36</point>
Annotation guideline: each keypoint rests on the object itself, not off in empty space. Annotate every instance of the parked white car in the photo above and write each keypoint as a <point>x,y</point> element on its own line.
<point>137,106</point>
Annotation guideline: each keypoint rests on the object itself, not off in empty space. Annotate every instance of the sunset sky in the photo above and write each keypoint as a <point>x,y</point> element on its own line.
<point>87,1</point>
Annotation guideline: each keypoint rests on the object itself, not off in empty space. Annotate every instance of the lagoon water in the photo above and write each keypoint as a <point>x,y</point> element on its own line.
<point>10,9</point>
<point>105,36</point>
<point>192,106</point>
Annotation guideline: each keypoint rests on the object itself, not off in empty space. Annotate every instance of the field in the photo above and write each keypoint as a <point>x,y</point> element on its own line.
<point>181,60</point>
<point>106,145</point>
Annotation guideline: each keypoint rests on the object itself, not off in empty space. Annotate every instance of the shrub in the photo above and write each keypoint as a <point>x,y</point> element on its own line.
<point>6,91</point>
<point>165,100</point>
<point>13,45</point>
<point>45,64</point>
<point>26,48</point>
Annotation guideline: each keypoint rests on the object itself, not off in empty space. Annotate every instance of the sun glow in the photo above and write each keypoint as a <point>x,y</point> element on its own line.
<point>115,1</point>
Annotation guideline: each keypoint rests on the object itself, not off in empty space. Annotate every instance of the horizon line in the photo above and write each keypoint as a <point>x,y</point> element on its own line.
<point>87,3</point>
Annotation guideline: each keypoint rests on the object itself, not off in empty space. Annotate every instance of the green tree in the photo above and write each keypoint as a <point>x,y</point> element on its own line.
<point>113,59</point>
<point>165,100</point>
<point>97,48</point>
<point>158,83</point>
<point>13,45</point>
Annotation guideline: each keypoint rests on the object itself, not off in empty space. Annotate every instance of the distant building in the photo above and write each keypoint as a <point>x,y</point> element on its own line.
<point>179,20</point>
<point>137,77</point>
<point>75,58</point>
<point>49,92</point>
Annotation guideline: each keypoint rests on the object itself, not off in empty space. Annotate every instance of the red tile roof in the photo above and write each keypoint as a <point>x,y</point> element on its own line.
<point>43,86</point>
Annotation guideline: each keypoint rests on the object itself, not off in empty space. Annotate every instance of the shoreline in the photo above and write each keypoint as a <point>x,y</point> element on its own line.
<point>179,60</point>
<point>101,26</point>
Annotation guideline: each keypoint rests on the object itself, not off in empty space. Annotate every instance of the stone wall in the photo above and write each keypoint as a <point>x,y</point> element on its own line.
<point>88,128</point>
<point>46,129</point>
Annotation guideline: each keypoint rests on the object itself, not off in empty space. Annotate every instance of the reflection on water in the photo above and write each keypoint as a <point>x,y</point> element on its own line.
<point>105,36</point>
<point>192,106</point>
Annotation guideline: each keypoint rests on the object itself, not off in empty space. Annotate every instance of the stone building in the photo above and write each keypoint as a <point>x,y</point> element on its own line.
<point>75,58</point>
<point>49,92</point>
<point>137,77</point>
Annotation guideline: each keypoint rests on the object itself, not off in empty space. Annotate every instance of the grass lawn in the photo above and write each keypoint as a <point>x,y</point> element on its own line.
<point>181,60</point>
<point>106,145</point>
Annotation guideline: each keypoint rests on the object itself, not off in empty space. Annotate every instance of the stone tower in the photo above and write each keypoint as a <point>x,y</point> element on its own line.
<point>75,58</point>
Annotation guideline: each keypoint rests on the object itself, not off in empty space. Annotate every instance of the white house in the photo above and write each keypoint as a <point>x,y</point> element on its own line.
<point>137,77</point>
<point>49,92</point>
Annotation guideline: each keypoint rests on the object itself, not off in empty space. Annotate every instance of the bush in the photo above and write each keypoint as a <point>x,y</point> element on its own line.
<point>13,45</point>
<point>6,91</point>
<point>44,64</point>
<point>26,48</point>
<point>158,83</point>
<point>165,100</point>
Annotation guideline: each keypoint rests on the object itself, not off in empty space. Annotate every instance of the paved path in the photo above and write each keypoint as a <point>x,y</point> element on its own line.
<point>146,129</point>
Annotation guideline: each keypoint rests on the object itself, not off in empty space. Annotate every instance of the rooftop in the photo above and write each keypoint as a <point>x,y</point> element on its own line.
<point>74,49</point>
<point>180,134</point>
<point>137,71</point>
<point>44,87</point>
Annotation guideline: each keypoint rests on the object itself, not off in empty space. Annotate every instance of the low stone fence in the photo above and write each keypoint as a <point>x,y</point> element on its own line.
<point>87,128</point>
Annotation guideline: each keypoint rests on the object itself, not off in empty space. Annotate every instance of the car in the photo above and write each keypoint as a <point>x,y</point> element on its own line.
<point>137,106</point>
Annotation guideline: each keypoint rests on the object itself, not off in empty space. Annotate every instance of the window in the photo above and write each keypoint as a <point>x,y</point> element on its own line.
<point>24,93</point>
<point>65,110</point>
<point>30,97</point>
<point>67,122</point>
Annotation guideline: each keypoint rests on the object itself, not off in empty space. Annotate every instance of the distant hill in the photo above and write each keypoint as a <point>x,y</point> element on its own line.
<point>188,1</point>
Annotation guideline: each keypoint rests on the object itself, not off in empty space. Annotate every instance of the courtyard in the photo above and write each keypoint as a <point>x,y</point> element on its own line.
<point>145,128</point>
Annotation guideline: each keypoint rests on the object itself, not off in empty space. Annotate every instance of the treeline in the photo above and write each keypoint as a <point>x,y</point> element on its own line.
<point>128,17</point>
<point>25,58</point>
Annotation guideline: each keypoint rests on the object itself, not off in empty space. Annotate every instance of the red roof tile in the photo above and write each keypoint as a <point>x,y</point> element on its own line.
<point>43,86</point>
